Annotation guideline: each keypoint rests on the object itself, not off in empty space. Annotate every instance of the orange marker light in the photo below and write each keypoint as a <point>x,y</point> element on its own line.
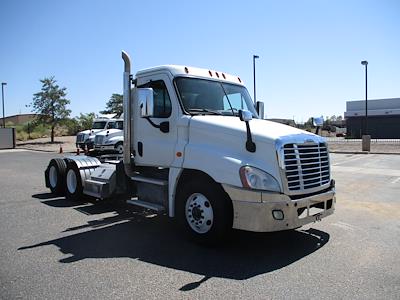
<point>178,154</point>
<point>186,70</point>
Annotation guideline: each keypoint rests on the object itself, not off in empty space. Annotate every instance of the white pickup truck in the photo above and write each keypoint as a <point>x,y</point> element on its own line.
<point>110,140</point>
<point>195,149</point>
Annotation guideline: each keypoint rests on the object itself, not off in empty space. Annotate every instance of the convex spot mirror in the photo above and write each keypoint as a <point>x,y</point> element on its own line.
<point>245,115</point>
<point>146,102</point>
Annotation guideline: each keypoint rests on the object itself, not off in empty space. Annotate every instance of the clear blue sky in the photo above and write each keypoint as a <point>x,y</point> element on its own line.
<point>310,51</point>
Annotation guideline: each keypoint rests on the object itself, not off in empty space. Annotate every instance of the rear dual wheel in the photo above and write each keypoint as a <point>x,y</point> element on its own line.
<point>73,182</point>
<point>55,174</point>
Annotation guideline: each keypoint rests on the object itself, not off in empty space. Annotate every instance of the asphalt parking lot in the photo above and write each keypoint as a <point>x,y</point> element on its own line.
<point>56,249</point>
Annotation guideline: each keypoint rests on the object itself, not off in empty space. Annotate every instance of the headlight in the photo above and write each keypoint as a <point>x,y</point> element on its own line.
<point>254,178</point>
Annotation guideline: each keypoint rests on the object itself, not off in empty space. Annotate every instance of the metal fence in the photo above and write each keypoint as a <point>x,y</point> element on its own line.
<point>341,140</point>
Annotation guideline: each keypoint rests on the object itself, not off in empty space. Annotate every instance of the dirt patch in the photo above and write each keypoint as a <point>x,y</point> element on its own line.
<point>67,143</point>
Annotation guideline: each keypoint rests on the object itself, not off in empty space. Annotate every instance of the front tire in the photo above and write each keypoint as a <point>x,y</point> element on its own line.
<point>119,148</point>
<point>204,211</point>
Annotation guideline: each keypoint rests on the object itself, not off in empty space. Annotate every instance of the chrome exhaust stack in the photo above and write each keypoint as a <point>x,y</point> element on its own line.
<point>127,115</point>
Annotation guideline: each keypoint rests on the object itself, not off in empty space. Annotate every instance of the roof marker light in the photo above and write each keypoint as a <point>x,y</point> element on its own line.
<point>217,74</point>
<point>239,80</point>
<point>186,70</point>
<point>209,72</point>
<point>223,75</point>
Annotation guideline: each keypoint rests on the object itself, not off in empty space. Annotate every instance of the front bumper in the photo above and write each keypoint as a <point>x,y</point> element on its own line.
<point>80,144</point>
<point>104,147</point>
<point>253,210</point>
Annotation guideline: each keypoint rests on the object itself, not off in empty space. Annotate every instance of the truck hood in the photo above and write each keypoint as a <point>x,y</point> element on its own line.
<point>86,132</point>
<point>262,130</point>
<point>111,132</point>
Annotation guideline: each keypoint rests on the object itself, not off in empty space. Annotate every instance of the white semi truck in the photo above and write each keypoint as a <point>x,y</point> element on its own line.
<point>85,139</point>
<point>195,149</point>
<point>110,140</point>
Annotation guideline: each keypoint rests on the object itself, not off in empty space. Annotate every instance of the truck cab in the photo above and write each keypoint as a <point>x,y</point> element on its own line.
<point>110,140</point>
<point>85,139</point>
<point>202,126</point>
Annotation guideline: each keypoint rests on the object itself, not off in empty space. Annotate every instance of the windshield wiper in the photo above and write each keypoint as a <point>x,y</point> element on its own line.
<point>204,110</point>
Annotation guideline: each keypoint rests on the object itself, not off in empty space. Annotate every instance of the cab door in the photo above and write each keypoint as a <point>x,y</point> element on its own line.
<point>153,144</point>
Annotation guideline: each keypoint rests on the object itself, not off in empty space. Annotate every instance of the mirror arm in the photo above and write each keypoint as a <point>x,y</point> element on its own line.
<point>164,126</point>
<point>250,145</point>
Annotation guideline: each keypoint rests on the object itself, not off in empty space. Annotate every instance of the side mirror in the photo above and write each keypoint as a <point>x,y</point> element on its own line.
<point>318,121</point>
<point>245,115</point>
<point>260,109</point>
<point>146,102</point>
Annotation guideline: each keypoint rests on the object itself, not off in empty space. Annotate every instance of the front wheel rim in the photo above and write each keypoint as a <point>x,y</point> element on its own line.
<point>71,181</point>
<point>199,213</point>
<point>120,149</point>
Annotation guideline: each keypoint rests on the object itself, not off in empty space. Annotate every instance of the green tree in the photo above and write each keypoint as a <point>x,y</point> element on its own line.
<point>85,121</point>
<point>114,105</point>
<point>50,103</point>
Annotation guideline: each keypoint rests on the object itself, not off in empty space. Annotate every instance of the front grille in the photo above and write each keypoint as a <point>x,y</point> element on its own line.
<point>80,138</point>
<point>306,166</point>
<point>98,139</point>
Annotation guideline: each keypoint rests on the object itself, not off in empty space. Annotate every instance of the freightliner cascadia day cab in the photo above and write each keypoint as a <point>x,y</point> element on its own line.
<point>196,149</point>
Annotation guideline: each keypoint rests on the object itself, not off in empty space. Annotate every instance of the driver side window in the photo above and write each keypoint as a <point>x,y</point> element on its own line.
<point>162,101</point>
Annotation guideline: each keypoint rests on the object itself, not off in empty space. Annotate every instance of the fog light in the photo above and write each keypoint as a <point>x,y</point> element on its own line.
<point>278,214</point>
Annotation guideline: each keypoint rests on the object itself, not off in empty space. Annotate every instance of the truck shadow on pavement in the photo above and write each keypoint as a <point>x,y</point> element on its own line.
<point>138,234</point>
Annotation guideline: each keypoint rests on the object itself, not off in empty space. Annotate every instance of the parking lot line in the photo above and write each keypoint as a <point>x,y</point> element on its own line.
<point>367,171</point>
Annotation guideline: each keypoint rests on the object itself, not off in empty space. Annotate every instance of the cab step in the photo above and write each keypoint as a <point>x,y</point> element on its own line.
<point>153,206</point>
<point>150,180</point>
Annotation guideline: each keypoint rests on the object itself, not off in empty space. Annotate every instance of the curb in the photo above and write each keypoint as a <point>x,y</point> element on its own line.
<point>42,150</point>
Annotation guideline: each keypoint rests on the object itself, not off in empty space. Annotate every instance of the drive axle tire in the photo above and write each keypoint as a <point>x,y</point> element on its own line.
<point>55,174</point>
<point>204,211</point>
<point>73,182</point>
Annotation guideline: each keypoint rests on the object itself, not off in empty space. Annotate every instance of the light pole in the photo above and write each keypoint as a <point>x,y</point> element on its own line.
<point>254,76</point>
<point>365,63</point>
<point>2,97</point>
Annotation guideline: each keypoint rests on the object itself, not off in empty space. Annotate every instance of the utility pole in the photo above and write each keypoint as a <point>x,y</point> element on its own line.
<point>365,63</point>
<point>2,97</point>
<point>254,76</point>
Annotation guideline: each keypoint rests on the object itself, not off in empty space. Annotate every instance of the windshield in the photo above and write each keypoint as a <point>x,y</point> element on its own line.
<point>99,125</point>
<point>201,96</point>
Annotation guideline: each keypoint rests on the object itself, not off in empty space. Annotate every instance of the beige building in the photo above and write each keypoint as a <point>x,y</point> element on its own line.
<point>19,119</point>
